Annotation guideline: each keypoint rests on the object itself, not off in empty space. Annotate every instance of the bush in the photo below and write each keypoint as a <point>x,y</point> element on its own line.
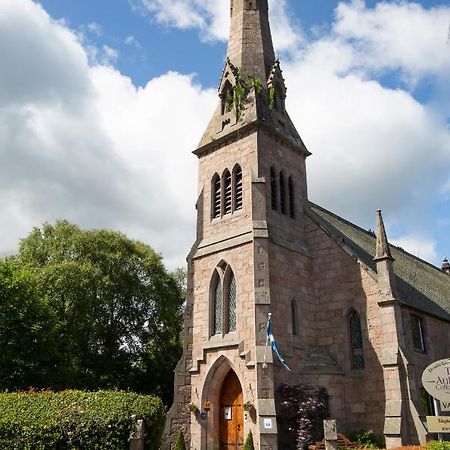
<point>366,438</point>
<point>75,420</point>
<point>302,411</point>
<point>249,442</point>
<point>437,445</point>
<point>180,444</point>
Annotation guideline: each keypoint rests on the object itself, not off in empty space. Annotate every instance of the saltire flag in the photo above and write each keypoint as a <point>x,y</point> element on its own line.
<point>273,343</point>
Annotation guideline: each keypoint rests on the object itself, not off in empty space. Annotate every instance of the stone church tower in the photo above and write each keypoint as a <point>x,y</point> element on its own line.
<point>262,247</point>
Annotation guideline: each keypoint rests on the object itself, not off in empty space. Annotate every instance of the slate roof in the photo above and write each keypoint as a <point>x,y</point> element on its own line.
<point>419,284</point>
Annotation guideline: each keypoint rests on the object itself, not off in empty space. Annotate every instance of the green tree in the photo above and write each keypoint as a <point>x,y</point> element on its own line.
<point>180,444</point>
<point>28,350</point>
<point>118,309</point>
<point>249,442</point>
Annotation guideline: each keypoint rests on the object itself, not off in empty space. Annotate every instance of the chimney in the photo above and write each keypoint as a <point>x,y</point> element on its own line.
<point>446,266</point>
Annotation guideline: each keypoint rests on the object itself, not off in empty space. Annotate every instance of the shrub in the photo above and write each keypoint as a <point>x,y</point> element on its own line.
<point>180,444</point>
<point>249,442</point>
<point>438,445</point>
<point>75,420</point>
<point>366,438</point>
<point>302,411</point>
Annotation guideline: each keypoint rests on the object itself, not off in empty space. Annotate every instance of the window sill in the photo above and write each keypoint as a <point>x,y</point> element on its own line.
<point>219,341</point>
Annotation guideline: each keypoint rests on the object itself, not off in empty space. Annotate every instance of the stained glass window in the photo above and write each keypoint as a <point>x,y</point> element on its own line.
<point>232,304</point>
<point>218,307</point>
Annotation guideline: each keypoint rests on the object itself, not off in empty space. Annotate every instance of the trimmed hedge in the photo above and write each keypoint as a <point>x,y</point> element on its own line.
<point>76,420</point>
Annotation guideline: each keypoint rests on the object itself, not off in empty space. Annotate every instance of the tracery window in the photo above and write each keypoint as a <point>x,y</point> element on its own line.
<point>356,340</point>
<point>273,189</point>
<point>223,300</point>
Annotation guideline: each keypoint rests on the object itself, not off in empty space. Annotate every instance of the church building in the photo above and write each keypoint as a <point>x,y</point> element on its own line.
<point>351,313</point>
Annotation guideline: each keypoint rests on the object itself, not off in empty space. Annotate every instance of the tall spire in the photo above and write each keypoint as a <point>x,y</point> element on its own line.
<point>252,91</point>
<point>250,45</point>
<point>383,250</point>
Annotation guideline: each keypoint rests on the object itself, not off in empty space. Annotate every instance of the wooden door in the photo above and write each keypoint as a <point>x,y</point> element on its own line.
<point>231,414</point>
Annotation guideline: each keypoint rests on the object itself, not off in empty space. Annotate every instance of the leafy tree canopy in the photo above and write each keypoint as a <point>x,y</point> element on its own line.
<point>118,311</point>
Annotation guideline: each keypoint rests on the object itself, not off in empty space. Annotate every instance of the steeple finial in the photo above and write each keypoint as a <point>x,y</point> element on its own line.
<point>383,250</point>
<point>250,47</point>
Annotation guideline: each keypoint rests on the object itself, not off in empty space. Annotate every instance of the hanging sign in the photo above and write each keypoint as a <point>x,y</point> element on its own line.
<point>436,380</point>
<point>445,406</point>
<point>438,424</point>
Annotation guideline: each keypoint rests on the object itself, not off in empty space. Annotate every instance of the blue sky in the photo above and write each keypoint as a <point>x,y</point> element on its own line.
<point>103,102</point>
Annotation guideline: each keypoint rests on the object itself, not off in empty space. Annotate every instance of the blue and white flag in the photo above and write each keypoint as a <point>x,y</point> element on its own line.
<point>273,343</point>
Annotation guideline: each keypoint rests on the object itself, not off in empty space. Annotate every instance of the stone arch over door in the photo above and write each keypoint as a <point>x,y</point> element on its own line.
<point>222,371</point>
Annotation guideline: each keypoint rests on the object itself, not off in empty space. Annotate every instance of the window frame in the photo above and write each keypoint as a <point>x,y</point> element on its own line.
<point>419,321</point>
<point>356,352</point>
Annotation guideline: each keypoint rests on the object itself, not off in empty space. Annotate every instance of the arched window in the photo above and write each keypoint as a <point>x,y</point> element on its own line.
<point>282,194</point>
<point>273,189</point>
<point>232,303</point>
<point>237,188</point>
<point>223,300</point>
<point>216,196</point>
<point>356,340</point>
<point>218,306</point>
<point>294,317</point>
<point>291,198</point>
<point>227,204</point>
<point>226,97</point>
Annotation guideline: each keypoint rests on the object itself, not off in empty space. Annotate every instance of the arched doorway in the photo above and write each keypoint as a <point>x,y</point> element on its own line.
<point>231,428</point>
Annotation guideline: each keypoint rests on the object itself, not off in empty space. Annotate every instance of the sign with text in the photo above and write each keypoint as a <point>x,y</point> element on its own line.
<point>436,380</point>
<point>445,406</point>
<point>438,424</point>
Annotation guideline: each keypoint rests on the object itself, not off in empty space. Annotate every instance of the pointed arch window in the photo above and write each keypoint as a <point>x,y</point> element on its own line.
<point>226,97</point>
<point>282,194</point>
<point>356,341</point>
<point>294,317</point>
<point>223,300</point>
<point>291,198</point>
<point>237,188</point>
<point>216,196</point>
<point>273,189</point>
<point>227,192</point>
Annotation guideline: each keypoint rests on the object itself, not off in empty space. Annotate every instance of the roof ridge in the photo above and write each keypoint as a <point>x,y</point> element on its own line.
<point>396,247</point>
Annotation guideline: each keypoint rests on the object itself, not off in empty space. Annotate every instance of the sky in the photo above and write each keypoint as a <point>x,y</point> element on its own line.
<point>102,103</point>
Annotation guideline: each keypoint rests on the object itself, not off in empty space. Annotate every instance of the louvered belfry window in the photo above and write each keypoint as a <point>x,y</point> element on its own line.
<point>356,341</point>
<point>282,194</point>
<point>237,188</point>
<point>291,198</point>
<point>223,300</point>
<point>227,192</point>
<point>273,189</point>
<point>216,194</point>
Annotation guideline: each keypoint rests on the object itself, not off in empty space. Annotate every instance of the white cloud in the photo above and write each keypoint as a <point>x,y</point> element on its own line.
<point>79,141</point>
<point>131,40</point>
<point>420,246</point>
<point>212,19</point>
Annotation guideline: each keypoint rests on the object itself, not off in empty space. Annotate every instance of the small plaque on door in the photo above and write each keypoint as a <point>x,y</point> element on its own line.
<point>227,413</point>
<point>268,424</point>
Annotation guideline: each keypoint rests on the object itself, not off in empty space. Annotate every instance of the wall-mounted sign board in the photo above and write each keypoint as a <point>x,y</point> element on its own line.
<point>436,380</point>
<point>438,424</point>
<point>268,424</point>
<point>445,406</point>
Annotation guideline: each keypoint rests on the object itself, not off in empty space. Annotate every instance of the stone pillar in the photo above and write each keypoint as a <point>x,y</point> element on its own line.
<point>330,434</point>
<point>137,436</point>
